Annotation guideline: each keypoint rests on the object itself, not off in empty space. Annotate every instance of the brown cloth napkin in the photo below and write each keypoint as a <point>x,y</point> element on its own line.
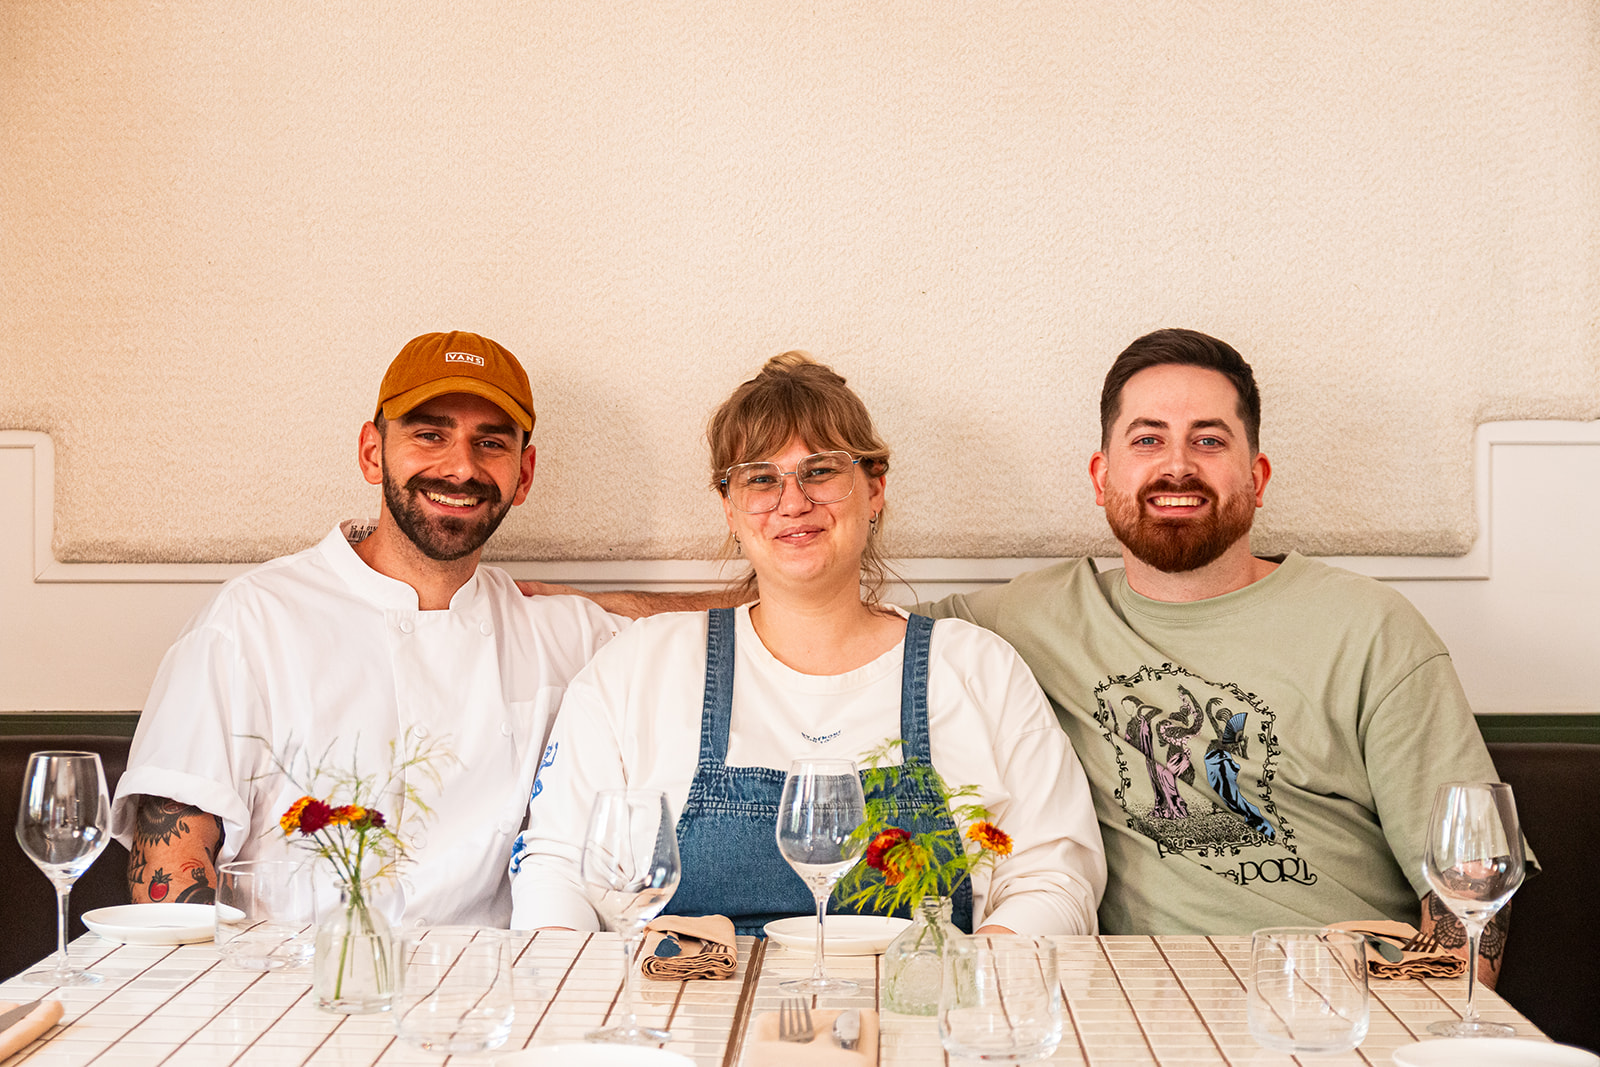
<point>763,1047</point>
<point>20,1034</point>
<point>1435,963</point>
<point>704,945</point>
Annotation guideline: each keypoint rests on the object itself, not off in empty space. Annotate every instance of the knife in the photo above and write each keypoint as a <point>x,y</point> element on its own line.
<point>16,1015</point>
<point>847,1028</point>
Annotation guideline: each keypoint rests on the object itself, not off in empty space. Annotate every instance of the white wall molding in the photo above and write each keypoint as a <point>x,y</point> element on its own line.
<point>1520,612</point>
<point>1475,564</point>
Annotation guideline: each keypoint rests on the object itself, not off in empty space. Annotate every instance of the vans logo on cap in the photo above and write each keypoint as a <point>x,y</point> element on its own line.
<point>463,357</point>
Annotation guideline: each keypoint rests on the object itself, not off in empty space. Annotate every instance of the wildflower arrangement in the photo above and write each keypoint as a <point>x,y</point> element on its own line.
<point>359,844</point>
<point>901,867</point>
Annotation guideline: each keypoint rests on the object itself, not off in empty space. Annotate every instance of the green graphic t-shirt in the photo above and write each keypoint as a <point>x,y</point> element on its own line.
<point>1264,758</point>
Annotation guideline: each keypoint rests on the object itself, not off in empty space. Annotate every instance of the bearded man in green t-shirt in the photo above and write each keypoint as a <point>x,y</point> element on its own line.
<point>1263,736</point>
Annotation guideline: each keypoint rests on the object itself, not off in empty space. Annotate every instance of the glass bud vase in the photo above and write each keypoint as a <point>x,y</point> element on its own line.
<point>913,964</point>
<point>356,967</point>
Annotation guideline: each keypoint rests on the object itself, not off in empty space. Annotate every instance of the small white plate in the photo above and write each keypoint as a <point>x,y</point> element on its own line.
<point>1492,1052</point>
<point>154,924</point>
<point>848,935</point>
<point>592,1055</point>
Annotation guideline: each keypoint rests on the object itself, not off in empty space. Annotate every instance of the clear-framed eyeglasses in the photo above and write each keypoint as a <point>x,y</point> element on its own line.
<point>824,478</point>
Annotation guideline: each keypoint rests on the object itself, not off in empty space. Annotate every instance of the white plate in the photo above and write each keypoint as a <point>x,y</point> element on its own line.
<point>848,935</point>
<point>1491,1052</point>
<point>575,1055</point>
<point>154,924</point>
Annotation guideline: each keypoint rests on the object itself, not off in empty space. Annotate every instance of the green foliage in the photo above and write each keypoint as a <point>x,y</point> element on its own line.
<point>899,871</point>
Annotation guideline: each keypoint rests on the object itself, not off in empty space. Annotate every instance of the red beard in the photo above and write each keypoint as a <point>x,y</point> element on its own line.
<point>1177,544</point>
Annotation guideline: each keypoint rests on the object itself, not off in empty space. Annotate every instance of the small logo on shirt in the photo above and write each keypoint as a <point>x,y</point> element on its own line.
<point>463,357</point>
<point>548,761</point>
<point>824,739</point>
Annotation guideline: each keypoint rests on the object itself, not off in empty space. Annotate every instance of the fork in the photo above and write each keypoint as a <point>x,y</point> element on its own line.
<point>794,1020</point>
<point>1423,942</point>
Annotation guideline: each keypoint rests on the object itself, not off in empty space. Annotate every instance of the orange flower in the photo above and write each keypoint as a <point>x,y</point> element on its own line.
<point>990,837</point>
<point>907,858</point>
<point>348,814</point>
<point>291,818</point>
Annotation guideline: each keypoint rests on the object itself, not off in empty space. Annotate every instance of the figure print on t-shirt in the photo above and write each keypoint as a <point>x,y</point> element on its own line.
<point>1164,724</point>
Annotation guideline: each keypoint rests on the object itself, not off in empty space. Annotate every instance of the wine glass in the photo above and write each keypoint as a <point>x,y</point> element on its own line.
<point>821,809</point>
<point>630,870</point>
<point>61,825</point>
<point>1474,863</point>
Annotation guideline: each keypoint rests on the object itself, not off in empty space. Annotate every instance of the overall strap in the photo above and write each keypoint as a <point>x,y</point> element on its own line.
<point>716,711</point>
<point>914,690</point>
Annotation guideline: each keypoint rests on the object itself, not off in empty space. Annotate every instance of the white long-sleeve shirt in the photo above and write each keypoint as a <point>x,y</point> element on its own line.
<point>633,718</point>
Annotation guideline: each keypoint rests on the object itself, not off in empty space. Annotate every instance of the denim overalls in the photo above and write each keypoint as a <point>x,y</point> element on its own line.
<point>727,832</point>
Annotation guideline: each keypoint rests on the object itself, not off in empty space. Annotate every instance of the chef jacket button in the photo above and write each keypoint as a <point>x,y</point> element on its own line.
<point>486,628</point>
<point>505,729</point>
<point>419,923</point>
<point>420,731</point>
<point>406,626</point>
<point>504,826</point>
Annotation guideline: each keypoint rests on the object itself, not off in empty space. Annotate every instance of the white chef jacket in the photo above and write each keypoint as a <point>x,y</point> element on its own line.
<point>633,718</point>
<point>322,660</point>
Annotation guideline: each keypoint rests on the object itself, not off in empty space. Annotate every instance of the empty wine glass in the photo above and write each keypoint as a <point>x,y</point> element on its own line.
<point>1474,863</point>
<point>821,809</point>
<point>630,870</point>
<point>62,826</point>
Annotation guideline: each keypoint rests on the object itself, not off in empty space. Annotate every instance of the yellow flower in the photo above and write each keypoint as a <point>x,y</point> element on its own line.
<point>990,837</point>
<point>291,818</point>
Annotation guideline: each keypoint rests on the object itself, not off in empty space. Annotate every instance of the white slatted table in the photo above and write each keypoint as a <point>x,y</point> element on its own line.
<point>1150,1000</point>
<point>1128,1000</point>
<point>184,1005</point>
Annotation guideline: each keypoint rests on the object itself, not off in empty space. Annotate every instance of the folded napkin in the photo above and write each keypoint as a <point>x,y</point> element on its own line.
<point>762,1045</point>
<point>680,947</point>
<point>20,1034</point>
<point>1433,963</point>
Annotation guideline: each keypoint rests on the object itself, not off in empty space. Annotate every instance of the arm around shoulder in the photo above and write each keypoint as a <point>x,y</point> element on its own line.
<point>637,604</point>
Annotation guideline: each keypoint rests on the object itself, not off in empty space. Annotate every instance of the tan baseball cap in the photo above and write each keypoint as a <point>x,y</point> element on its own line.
<point>456,362</point>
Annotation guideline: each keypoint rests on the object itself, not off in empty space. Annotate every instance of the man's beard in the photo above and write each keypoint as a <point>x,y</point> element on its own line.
<point>440,537</point>
<point>1175,545</point>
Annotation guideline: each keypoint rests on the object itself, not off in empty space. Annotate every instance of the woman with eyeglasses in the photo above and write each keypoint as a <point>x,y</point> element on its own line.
<point>815,667</point>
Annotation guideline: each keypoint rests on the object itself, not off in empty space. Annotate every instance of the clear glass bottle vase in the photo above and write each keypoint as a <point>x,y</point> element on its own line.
<point>356,967</point>
<point>913,964</point>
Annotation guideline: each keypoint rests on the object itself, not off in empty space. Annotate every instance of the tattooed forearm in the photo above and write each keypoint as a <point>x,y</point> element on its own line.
<point>161,821</point>
<point>1452,935</point>
<point>174,852</point>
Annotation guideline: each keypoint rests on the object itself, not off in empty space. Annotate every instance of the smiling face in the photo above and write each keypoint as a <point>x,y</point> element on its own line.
<point>1177,477</point>
<point>799,543</point>
<point>451,468</point>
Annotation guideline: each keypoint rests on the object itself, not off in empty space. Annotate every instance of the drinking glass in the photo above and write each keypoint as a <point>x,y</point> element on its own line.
<point>455,990</point>
<point>630,870</point>
<point>1474,863</point>
<point>266,914</point>
<point>1001,999</point>
<point>821,809</point>
<point>62,825</point>
<point>1308,989</point>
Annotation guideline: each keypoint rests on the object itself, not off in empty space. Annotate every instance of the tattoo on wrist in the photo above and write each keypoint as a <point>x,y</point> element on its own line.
<point>1452,934</point>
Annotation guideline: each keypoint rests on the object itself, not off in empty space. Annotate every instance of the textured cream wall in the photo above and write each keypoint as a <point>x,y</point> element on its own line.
<point>221,220</point>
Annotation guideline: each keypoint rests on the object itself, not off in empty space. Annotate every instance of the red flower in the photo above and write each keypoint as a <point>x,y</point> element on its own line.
<point>314,816</point>
<point>374,818</point>
<point>880,845</point>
